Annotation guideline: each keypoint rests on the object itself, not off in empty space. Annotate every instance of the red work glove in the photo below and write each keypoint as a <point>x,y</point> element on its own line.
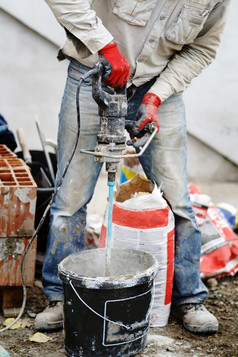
<point>148,111</point>
<point>117,68</point>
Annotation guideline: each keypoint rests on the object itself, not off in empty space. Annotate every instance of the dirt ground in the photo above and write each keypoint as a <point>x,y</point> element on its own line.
<point>170,341</point>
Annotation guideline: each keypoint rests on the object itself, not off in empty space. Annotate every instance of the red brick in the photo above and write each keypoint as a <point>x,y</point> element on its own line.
<point>18,193</point>
<point>11,253</point>
<point>6,152</point>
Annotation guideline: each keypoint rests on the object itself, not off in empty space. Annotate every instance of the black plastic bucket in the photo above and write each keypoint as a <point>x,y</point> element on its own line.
<point>104,315</point>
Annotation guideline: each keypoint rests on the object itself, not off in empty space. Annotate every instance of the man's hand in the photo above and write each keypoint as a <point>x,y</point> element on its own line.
<point>148,111</point>
<point>117,68</point>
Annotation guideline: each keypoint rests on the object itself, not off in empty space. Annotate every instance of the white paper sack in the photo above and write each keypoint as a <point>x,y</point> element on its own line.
<point>143,220</point>
<point>200,199</point>
<point>94,223</point>
<point>145,200</point>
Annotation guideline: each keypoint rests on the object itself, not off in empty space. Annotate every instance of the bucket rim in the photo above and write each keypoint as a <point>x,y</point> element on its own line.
<point>109,282</point>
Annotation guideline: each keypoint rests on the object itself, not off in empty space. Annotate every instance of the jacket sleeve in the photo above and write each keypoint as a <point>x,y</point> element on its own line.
<point>80,20</point>
<point>193,58</point>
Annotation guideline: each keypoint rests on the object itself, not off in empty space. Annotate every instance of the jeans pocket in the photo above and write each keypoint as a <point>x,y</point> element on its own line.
<point>189,22</point>
<point>134,12</point>
<point>76,71</point>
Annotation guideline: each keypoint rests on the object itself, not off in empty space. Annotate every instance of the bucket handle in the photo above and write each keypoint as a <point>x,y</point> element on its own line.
<point>96,313</point>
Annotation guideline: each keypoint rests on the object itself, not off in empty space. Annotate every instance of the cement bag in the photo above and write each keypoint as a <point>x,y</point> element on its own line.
<point>219,251</point>
<point>143,220</point>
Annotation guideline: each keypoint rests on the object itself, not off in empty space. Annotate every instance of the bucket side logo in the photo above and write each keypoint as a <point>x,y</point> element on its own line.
<point>134,312</point>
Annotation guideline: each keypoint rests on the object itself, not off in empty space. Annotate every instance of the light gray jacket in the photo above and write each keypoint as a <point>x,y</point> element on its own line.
<point>172,40</point>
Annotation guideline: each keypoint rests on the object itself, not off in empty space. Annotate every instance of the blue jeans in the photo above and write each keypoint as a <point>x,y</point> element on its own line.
<point>164,162</point>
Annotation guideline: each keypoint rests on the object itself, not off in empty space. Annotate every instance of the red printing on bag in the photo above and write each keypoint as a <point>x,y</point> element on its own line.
<point>139,219</point>
<point>170,267</point>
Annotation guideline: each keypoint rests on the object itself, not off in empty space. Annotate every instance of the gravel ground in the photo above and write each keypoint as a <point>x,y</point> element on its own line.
<point>170,341</point>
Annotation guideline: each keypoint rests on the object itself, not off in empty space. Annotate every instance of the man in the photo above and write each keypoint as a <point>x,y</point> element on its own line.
<point>158,47</point>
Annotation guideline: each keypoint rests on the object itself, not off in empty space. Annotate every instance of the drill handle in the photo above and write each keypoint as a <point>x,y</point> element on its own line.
<point>140,138</point>
<point>121,91</point>
<point>101,97</point>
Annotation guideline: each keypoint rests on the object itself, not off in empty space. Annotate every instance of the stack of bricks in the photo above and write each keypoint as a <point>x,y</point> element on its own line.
<point>18,193</point>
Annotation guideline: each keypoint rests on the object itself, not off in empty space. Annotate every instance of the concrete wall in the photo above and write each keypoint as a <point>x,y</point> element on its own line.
<point>37,16</point>
<point>32,82</point>
<point>212,112</point>
<point>205,164</point>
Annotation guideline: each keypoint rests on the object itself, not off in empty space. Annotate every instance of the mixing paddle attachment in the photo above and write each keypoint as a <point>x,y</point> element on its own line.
<point>111,185</point>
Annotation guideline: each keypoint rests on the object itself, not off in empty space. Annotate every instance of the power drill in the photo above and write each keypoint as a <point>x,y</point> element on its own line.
<point>111,140</point>
<point>112,108</point>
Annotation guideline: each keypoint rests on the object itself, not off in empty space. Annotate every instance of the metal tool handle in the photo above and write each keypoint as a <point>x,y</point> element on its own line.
<point>23,143</point>
<point>140,138</point>
<point>47,156</point>
<point>142,150</point>
<point>101,97</point>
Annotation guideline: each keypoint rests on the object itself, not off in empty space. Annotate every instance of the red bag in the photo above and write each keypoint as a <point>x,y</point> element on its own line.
<point>219,253</point>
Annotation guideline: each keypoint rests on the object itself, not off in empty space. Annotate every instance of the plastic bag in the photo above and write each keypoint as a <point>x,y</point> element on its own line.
<point>6,136</point>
